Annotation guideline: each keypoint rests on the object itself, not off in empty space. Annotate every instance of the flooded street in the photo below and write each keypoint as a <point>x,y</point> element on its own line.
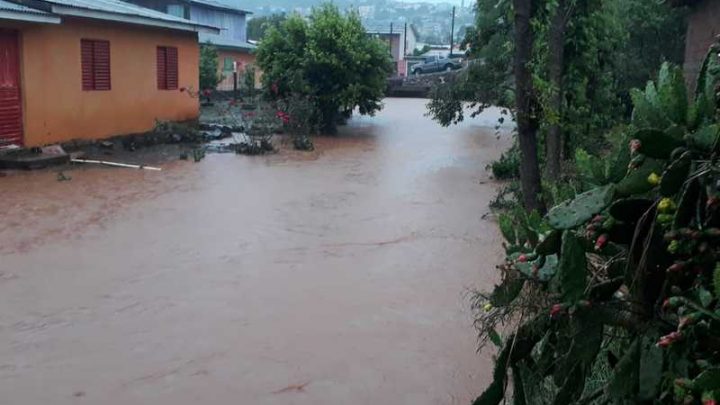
<point>334,277</point>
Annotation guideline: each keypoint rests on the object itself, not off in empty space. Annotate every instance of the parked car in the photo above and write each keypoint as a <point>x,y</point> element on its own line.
<point>433,64</point>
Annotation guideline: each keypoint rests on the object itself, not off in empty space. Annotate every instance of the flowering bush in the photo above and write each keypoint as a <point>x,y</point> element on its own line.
<point>327,56</point>
<point>300,119</point>
<point>257,127</point>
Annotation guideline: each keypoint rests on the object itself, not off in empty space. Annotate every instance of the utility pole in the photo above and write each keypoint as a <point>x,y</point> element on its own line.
<point>452,33</point>
<point>390,38</point>
<point>406,42</point>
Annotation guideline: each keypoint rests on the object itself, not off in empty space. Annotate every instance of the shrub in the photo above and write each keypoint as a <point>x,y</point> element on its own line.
<point>329,58</point>
<point>301,120</point>
<point>616,292</point>
<point>248,82</point>
<point>209,76</point>
<point>508,166</point>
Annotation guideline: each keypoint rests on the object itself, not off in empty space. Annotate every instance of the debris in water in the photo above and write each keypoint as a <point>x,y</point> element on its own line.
<point>114,164</point>
<point>198,154</point>
<point>9,147</point>
<point>63,177</point>
<point>53,150</point>
<point>220,148</point>
<point>293,388</point>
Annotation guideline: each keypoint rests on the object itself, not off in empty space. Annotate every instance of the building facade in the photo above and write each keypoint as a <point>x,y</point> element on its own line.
<point>92,69</point>
<point>401,40</point>
<point>234,49</point>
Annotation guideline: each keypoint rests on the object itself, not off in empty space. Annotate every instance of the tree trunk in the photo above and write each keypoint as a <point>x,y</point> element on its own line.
<point>526,108</point>
<point>328,124</point>
<point>556,67</point>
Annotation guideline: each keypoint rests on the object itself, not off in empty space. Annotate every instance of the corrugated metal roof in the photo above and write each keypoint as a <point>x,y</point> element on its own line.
<point>226,42</point>
<point>123,8</point>
<point>7,6</point>
<point>19,12</point>
<point>218,5</point>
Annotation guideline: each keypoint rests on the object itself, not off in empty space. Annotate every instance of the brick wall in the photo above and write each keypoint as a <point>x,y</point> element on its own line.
<point>703,27</point>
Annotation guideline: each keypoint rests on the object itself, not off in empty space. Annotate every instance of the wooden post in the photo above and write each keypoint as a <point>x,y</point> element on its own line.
<point>235,85</point>
<point>452,33</point>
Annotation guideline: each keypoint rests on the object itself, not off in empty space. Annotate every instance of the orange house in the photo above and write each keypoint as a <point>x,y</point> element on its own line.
<point>92,69</point>
<point>234,51</point>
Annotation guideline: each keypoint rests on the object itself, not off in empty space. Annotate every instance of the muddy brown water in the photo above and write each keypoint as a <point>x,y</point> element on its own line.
<point>336,277</point>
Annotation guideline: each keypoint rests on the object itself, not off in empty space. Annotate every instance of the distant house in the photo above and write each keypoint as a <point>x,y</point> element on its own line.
<point>703,29</point>
<point>232,43</point>
<point>90,69</point>
<point>401,39</point>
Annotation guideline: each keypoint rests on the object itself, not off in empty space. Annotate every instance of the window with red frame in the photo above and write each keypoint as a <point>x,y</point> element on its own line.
<point>95,61</point>
<point>167,68</point>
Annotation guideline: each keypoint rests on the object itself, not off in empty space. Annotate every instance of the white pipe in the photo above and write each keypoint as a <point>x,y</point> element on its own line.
<point>105,163</point>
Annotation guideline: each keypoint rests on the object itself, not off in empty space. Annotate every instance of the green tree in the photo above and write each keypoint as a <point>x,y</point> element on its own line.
<point>585,55</point>
<point>209,77</point>
<point>526,105</point>
<point>258,27</point>
<point>424,50</point>
<point>328,58</point>
<point>488,79</point>
<point>248,81</point>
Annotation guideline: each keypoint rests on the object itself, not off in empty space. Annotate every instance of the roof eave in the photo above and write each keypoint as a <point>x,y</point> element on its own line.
<point>245,47</point>
<point>29,17</point>
<point>132,19</point>
<point>249,49</point>
<point>221,8</point>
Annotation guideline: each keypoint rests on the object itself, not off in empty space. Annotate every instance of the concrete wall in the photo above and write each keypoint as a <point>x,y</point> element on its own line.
<point>703,27</point>
<point>56,109</point>
<point>395,42</point>
<point>411,41</point>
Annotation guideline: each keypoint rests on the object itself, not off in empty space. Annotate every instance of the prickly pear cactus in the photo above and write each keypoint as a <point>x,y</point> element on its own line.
<point>573,268</point>
<point>705,139</point>
<point>675,175</point>
<point>657,144</point>
<point>573,213</point>
<point>630,209</point>
<point>637,257</point>
<point>636,182</point>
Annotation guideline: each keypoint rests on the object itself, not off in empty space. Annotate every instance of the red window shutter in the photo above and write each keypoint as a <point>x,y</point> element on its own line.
<point>11,117</point>
<point>101,56</point>
<point>161,68</point>
<point>172,68</point>
<point>167,68</point>
<point>87,64</point>
<point>95,62</point>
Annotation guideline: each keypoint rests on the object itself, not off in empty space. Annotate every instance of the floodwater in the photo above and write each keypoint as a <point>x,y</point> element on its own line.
<point>335,277</point>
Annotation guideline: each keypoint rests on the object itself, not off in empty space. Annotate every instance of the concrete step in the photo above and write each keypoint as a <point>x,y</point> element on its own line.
<point>23,161</point>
